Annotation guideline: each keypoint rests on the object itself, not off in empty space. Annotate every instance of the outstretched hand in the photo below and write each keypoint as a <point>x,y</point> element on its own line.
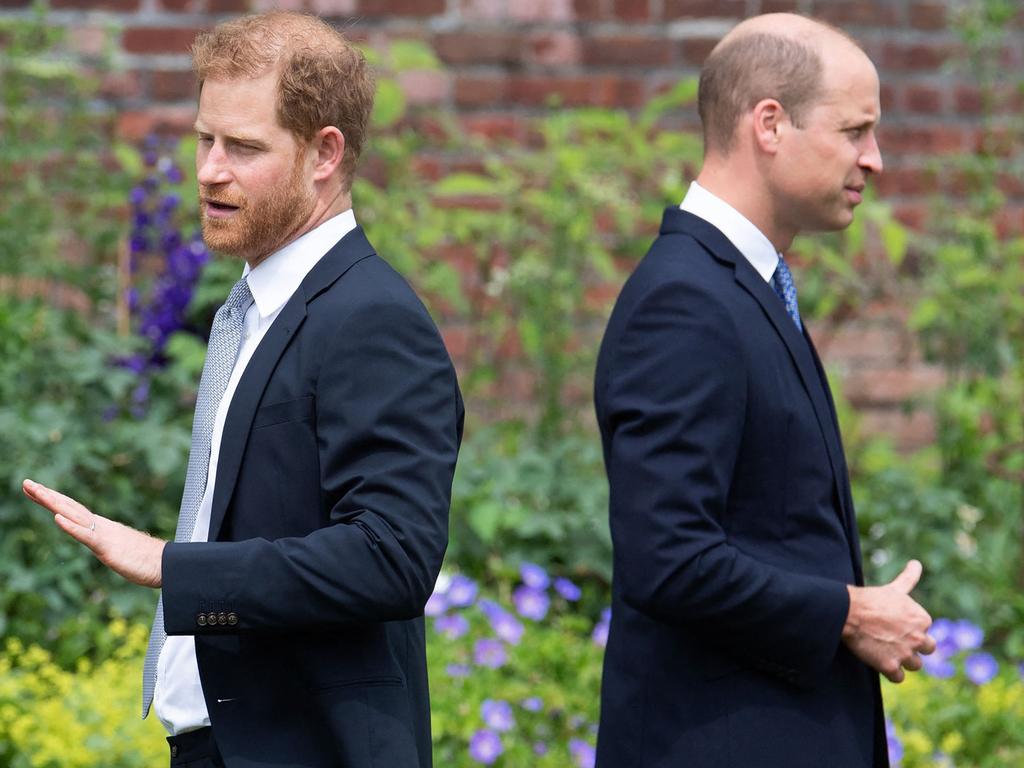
<point>886,628</point>
<point>134,555</point>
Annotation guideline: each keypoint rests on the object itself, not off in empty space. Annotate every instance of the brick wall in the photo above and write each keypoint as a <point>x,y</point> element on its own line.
<point>505,60</point>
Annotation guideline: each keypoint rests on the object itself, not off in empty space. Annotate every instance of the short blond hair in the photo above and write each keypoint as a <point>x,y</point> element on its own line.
<point>323,79</point>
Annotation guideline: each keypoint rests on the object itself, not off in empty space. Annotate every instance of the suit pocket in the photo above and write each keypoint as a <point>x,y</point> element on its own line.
<point>300,409</point>
<point>365,682</point>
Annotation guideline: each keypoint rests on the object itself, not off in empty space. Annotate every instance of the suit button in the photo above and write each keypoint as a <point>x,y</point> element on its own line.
<point>232,618</point>
<point>222,618</point>
<point>211,618</point>
<point>201,619</point>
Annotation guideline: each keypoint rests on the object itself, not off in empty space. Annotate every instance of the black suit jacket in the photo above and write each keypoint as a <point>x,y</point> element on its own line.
<point>732,523</point>
<point>328,527</point>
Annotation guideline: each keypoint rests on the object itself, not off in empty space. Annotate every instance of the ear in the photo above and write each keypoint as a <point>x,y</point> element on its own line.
<point>329,144</point>
<point>769,123</point>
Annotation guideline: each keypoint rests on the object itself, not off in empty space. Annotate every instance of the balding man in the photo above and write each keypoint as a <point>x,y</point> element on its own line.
<point>741,634</point>
<point>315,513</point>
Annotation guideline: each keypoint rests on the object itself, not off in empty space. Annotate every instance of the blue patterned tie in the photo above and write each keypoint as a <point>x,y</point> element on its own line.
<point>221,354</point>
<point>784,287</point>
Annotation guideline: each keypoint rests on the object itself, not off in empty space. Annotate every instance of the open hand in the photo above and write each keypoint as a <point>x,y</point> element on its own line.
<point>134,555</point>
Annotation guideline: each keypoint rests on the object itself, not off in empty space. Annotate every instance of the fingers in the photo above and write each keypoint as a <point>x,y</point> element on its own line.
<point>913,663</point>
<point>927,646</point>
<point>71,516</point>
<point>909,577</point>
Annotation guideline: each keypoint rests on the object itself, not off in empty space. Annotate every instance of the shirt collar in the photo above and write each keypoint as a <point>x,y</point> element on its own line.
<point>741,232</point>
<point>277,277</point>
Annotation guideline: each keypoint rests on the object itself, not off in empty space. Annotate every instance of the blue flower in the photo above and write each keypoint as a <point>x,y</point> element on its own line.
<point>437,604</point>
<point>498,715</point>
<point>893,743</point>
<point>583,753</point>
<point>540,748</point>
<point>567,590</point>
<point>137,196</point>
<point>461,591</point>
<point>980,668</point>
<point>600,634</point>
<point>967,636</point>
<point>534,576</point>
<point>938,665</point>
<point>532,704</point>
<point>485,746</point>
<point>505,625</point>
<point>531,603</point>
<point>488,652</point>
<point>458,670</point>
<point>452,626</point>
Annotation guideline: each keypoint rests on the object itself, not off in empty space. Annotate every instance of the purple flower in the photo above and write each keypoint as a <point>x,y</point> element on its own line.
<point>141,393</point>
<point>980,668</point>
<point>497,714</point>
<point>967,636</point>
<point>452,626</point>
<point>540,748</point>
<point>174,175</point>
<point>457,670</point>
<point>938,665</point>
<point>531,603</point>
<point>505,625</point>
<point>1020,669</point>
<point>600,634</point>
<point>461,591</point>
<point>567,590</point>
<point>437,604</point>
<point>137,196</point>
<point>485,746</point>
<point>582,753</point>
<point>534,576</point>
<point>489,653</point>
<point>532,704</point>
<point>942,632</point>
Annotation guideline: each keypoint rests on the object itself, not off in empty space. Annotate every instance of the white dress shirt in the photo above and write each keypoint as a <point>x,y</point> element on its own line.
<point>178,700</point>
<point>741,232</point>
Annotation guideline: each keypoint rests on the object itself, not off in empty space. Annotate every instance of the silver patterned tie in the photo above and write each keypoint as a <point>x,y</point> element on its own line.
<point>221,354</point>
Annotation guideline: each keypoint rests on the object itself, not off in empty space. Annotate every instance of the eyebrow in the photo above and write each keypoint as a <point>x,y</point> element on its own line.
<point>233,139</point>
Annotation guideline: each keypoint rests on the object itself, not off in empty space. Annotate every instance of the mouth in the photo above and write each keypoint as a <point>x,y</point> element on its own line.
<point>855,193</point>
<point>216,209</point>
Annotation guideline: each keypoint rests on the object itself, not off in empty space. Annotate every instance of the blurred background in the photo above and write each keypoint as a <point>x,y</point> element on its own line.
<point>520,158</point>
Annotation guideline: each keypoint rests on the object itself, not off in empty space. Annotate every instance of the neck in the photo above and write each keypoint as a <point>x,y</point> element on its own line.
<point>753,200</point>
<point>323,210</point>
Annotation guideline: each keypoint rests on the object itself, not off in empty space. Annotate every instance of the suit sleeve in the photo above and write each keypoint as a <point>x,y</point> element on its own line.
<point>388,424</point>
<point>673,411</point>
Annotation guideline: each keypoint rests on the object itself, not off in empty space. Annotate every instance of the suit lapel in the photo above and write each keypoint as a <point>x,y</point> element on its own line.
<point>799,347</point>
<point>246,399</point>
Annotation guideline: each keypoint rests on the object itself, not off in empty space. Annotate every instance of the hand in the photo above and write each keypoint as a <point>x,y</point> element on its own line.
<point>134,555</point>
<point>886,628</point>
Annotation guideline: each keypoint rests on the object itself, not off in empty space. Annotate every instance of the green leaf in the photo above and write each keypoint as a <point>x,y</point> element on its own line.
<point>413,54</point>
<point>894,239</point>
<point>389,105</point>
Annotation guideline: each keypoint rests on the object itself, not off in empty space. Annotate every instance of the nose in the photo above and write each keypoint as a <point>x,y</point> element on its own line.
<point>871,157</point>
<point>211,163</point>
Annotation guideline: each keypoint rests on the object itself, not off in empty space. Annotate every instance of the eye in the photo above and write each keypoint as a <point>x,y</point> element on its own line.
<point>856,132</point>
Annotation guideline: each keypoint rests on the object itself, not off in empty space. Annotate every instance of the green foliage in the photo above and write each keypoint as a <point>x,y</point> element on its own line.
<point>55,717</point>
<point>515,499</point>
<point>71,420</point>
<point>946,722</point>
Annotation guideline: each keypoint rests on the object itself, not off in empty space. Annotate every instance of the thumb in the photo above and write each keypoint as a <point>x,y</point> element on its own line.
<point>909,577</point>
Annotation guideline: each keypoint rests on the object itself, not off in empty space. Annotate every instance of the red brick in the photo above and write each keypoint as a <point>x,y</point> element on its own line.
<point>1010,221</point>
<point>539,10</point>
<point>230,6</point>
<point>968,100</point>
<point>333,7</point>
<point>456,340</point>
<point>695,50</point>
<point>477,91</point>
<point>15,3</point>
<point>904,181</point>
<point>555,49</point>
<point>627,51</point>
<point>603,91</point>
<point>632,10</point>
<point>675,9</point>
<point>159,39</point>
<point>853,12</point>
<point>180,6</point>
<point>912,215</point>
<point>923,99</point>
<point>859,344</point>
<point>932,139</point>
<point>391,8</point>
<point>88,41</point>
<point>124,6</point>
<point>479,47</point>
<point>1011,185</point>
<point>261,6</point>
<point>780,6</point>
<point>891,386</point>
<point>173,85</point>
<point>425,87</point>
<point>915,56</point>
<point>910,431</point>
<point>888,97</point>
<point>928,15</point>
<point>120,85</point>
<point>495,126</point>
<point>136,125</point>
<point>590,10</point>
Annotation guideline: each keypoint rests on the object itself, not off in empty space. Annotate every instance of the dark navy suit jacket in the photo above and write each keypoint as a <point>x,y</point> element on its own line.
<point>329,524</point>
<point>732,523</point>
